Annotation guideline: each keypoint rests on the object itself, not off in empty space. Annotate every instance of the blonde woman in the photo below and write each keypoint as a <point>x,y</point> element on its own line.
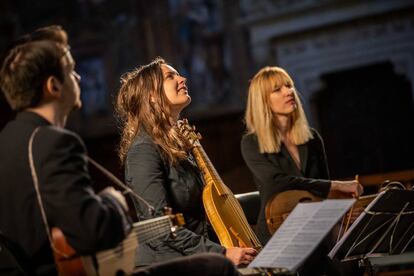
<point>159,165</point>
<point>280,148</point>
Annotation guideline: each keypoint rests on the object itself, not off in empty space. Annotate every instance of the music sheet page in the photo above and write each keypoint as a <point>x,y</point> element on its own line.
<point>300,234</point>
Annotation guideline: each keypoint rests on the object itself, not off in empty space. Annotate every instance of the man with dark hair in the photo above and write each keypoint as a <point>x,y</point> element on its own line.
<point>43,166</point>
<point>45,181</point>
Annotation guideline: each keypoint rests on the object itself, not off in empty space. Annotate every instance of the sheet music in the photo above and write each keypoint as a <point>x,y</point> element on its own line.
<point>300,234</point>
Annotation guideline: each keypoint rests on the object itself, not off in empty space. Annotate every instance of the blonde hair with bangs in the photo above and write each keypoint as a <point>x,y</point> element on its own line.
<point>259,117</point>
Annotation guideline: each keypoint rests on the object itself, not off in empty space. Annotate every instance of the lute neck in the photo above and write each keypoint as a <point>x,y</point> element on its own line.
<point>209,172</point>
<point>147,229</point>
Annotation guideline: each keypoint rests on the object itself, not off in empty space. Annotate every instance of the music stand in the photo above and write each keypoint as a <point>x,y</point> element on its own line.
<point>386,227</point>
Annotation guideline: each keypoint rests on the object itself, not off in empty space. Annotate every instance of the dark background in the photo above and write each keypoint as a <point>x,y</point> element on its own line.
<point>367,129</point>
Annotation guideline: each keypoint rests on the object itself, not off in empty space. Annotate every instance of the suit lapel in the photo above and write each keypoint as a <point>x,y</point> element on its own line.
<point>286,153</point>
<point>303,155</point>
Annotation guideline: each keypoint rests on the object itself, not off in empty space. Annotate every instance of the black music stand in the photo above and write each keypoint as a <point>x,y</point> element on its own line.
<point>386,227</point>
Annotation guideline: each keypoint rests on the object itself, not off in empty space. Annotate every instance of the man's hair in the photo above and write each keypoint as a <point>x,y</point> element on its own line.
<point>54,33</point>
<point>29,63</point>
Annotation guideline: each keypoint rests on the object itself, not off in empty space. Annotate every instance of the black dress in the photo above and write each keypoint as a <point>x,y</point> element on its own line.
<point>163,185</point>
<point>277,172</point>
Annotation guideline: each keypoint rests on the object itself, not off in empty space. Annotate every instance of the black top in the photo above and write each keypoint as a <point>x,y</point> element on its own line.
<point>89,222</point>
<point>163,185</point>
<point>277,172</point>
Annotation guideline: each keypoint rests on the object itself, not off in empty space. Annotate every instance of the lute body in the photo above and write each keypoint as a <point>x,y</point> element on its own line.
<point>279,207</point>
<point>221,206</point>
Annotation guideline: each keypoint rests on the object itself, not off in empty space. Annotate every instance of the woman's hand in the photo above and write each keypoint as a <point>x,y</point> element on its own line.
<point>351,187</point>
<point>241,256</point>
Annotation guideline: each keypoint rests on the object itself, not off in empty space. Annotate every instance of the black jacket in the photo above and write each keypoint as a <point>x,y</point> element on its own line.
<point>277,172</point>
<point>163,185</point>
<point>89,222</point>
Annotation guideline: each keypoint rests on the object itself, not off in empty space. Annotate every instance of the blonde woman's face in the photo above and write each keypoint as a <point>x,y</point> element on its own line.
<point>282,99</point>
<point>175,88</point>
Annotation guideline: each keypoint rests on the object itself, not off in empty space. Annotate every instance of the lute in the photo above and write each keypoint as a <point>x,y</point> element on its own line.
<point>119,259</point>
<point>222,208</point>
<point>279,207</point>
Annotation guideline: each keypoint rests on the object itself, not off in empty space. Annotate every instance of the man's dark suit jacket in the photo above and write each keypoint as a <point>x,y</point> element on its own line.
<point>89,222</point>
<point>277,172</point>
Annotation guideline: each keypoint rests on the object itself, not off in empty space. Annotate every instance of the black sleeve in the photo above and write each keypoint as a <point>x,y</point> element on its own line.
<point>272,178</point>
<point>147,174</point>
<point>89,222</point>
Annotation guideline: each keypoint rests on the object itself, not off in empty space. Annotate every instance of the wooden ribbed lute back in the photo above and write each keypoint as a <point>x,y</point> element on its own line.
<point>221,206</point>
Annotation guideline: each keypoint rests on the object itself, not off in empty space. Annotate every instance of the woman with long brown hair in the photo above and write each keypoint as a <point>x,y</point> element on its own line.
<point>159,165</point>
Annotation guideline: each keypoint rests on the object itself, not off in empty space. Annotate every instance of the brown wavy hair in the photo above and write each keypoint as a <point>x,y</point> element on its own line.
<point>142,105</point>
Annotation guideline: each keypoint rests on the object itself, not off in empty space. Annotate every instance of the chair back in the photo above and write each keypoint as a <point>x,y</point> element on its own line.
<point>250,203</point>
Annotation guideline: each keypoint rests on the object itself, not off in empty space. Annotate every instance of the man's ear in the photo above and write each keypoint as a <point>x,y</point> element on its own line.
<point>52,86</point>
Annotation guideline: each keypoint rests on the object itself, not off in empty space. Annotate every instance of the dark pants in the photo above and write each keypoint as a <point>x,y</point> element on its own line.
<point>200,265</point>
